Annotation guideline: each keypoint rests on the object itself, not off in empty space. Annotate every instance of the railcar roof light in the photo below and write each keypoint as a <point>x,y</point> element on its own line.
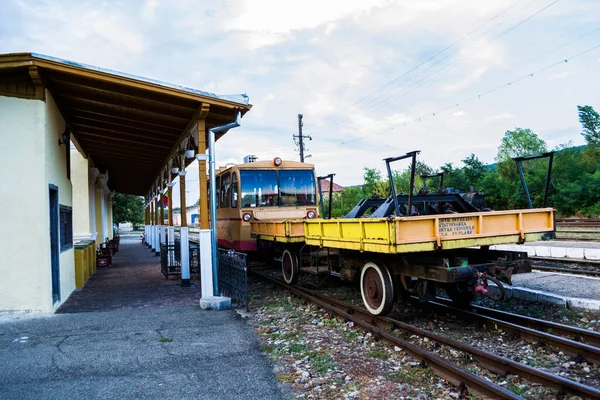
<point>277,161</point>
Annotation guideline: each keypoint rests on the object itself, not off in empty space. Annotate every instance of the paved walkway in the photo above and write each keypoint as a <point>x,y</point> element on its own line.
<point>133,281</point>
<point>132,334</point>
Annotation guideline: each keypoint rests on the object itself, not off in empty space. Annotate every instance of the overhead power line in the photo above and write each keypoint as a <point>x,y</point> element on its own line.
<point>393,93</point>
<point>482,94</point>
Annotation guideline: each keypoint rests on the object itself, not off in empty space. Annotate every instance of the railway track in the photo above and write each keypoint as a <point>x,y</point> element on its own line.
<point>549,264</point>
<point>381,327</point>
<point>575,342</point>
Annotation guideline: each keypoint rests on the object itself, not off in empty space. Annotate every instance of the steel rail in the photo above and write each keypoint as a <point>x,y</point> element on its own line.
<point>576,239</point>
<point>581,335</point>
<point>571,347</point>
<point>573,271</point>
<point>565,260</point>
<point>440,366</point>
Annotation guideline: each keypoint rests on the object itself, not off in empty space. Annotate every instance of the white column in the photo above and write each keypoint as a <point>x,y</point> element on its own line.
<point>171,238</point>
<point>156,240</point>
<point>104,217</point>
<point>163,236</point>
<point>92,176</point>
<point>185,256</point>
<point>206,270</point>
<point>145,233</point>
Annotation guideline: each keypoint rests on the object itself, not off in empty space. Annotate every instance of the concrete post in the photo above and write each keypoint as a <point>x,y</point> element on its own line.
<point>206,271</point>
<point>171,238</point>
<point>208,300</point>
<point>185,256</point>
<point>157,240</point>
<point>163,236</point>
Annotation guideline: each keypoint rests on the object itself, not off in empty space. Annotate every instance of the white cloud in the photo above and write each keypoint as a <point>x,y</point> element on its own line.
<point>561,75</point>
<point>499,118</point>
<point>346,65</point>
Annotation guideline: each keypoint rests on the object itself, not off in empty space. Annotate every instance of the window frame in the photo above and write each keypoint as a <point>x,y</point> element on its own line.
<point>65,222</point>
<point>233,202</point>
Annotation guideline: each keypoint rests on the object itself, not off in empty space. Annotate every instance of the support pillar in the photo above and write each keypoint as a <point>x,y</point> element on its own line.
<point>206,273</point>
<point>182,198</point>
<point>170,196</point>
<point>98,209</point>
<point>202,176</point>
<point>109,212</point>
<point>171,239</point>
<point>208,300</point>
<point>151,227</point>
<point>185,256</point>
<point>156,229</point>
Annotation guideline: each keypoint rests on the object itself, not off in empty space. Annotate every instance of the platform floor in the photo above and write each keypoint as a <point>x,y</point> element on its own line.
<point>132,334</point>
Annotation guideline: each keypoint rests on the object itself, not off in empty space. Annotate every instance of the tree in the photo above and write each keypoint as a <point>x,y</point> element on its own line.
<point>590,121</point>
<point>371,177</point>
<point>473,171</point>
<point>453,177</point>
<point>520,143</point>
<point>128,208</point>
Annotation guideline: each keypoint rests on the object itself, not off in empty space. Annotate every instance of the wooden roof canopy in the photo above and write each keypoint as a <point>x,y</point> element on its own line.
<point>128,125</point>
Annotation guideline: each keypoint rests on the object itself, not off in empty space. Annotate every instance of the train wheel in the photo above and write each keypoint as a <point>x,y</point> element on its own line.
<point>460,293</point>
<point>289,267</point>
<point>377,288</point>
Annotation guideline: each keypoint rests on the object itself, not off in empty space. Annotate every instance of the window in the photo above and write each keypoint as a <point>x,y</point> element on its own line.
<point>225,190</point>
<point>259,188</point>
<point>234,190</point>
<point>297,187</point>
<point>66,227</point>
<point>264,188</point>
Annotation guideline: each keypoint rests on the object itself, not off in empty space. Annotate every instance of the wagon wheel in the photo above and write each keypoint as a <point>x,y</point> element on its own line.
<point>377,288</point>
<point>460,293</point>
<point>289,267</point>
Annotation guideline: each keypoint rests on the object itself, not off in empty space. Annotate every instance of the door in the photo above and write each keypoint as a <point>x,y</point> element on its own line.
<point>54,245</point>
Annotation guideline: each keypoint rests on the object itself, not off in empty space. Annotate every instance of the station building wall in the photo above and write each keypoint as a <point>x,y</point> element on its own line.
<point>30,160</point>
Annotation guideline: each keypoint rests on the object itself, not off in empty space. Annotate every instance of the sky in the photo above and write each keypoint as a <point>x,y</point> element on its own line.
<point>373,79</point>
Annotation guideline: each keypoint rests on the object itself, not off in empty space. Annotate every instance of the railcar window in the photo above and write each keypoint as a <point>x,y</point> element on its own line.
<point>225,190</point>
<point>297,187</point>
<point>234,190</point>
<point>259,188</point>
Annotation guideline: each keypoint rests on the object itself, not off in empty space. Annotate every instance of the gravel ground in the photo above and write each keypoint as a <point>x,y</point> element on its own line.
<point>322,357</point>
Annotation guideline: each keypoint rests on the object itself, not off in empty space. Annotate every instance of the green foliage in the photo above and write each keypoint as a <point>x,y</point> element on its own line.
<point>575,174</point>
<point>453,177</point>
<point>371,177</point>
<point>519,143</point>
<point>590,122</point>
<point>474,170</point>
<point>345,201</point>
<point>128,208</point>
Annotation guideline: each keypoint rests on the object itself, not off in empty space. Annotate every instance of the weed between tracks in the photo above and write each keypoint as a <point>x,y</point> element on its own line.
<point>328,358</point>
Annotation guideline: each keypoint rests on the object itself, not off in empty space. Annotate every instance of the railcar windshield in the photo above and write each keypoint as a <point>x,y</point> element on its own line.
<point>267,188</point>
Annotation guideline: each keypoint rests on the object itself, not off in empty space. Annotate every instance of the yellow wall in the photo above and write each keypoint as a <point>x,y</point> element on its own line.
<point>56,174</point>
<point>30,160</point>
<point>81,194</point>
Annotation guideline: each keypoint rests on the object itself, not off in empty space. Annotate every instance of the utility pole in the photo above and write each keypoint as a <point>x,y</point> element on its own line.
<point>300,137</point>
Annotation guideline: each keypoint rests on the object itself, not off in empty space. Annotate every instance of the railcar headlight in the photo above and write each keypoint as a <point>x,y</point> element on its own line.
<point>310,214</point>
<point>277,161</point>
<point>246,217</point>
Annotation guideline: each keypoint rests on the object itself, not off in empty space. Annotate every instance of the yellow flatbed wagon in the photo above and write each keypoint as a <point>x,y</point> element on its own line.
<point>416,253</point>
<point>397,235</point>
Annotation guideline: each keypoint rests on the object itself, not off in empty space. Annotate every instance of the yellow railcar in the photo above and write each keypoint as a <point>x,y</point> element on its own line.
<point>262,191</point>
<point>409,245</point>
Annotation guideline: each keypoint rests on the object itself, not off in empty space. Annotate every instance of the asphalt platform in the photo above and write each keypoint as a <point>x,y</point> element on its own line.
<point>568,290</point>
<point>131,334</point>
